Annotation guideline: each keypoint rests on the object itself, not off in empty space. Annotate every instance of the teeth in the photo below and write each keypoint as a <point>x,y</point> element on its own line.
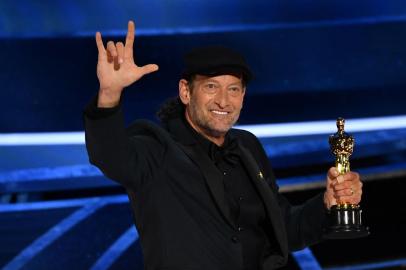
<point>218,112</point>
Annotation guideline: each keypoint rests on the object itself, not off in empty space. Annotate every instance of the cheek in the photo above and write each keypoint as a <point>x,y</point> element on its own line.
<point>200,106</point>
<point>200,100</point>
<point>205,103</point>
<point>237,104</point>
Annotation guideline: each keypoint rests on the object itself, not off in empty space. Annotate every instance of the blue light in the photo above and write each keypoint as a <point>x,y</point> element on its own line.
<point>378,265</point>
<point>44,138</point>
<point>261,131</point>
<point>325,127</point>
<point>32,206</point>
<point>306,260</point>
<point>116,249</point>
<point>52,235</point>
<point>242,27</point>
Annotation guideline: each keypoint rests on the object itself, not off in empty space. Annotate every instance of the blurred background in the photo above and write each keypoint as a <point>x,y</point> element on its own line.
<point>313,62</point>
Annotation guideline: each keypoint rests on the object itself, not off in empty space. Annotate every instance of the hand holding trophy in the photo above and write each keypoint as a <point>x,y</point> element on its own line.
<point>344,218</point>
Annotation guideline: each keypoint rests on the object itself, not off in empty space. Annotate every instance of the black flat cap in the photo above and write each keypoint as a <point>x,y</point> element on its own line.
<point>214,61</point>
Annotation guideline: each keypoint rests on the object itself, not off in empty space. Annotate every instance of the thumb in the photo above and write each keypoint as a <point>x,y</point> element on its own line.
<point>332,174</point>
<point>149,68</point>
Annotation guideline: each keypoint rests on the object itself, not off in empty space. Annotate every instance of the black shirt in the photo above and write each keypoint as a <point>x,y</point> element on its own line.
<point>246,208</point>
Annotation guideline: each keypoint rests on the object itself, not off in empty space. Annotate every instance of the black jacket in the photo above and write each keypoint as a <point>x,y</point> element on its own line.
<point>178,199</point>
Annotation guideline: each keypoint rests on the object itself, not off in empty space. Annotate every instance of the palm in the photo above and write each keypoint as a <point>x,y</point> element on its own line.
<point>110,77</point>
<point>114,75</point>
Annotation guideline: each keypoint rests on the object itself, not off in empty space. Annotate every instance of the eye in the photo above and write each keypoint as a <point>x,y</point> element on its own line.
<point>210,87</point>
<point>235,90</point>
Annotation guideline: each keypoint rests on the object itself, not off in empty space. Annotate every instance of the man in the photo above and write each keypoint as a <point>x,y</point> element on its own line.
<point>203,194</point>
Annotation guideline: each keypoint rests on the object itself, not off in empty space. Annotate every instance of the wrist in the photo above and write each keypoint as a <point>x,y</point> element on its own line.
<point>108,98</point>
<point>328,202</point>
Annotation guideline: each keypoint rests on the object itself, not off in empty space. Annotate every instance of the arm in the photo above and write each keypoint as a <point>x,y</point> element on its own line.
<point>305,222</point>
<point>107,143</point>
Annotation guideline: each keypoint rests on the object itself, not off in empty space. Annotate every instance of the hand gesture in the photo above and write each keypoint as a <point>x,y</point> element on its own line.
<point>116,68</point>
<point>346,188</point>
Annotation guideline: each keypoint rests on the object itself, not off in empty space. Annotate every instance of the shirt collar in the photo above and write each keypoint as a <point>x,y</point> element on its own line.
<point>208,146</point>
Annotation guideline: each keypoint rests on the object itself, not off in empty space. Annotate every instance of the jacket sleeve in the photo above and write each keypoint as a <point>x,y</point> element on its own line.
<point>128,159</point>
<point>305,222</point>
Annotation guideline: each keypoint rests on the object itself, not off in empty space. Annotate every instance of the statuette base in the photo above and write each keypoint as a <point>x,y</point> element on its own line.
<point>345,223</point>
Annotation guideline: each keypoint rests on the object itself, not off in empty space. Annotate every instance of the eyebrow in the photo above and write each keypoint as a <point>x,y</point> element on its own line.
<point>216,81</point>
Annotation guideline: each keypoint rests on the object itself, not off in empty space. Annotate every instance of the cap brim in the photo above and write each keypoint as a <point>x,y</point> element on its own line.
<point>237,71</point>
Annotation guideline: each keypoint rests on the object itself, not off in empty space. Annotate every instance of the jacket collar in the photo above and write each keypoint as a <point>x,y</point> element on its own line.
<point>190,145</point>
<point>180,132</point>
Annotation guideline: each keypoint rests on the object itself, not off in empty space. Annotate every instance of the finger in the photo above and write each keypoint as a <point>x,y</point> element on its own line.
<point>111,48</point>
<point>110,58</point>
<point>100,46</point>
<point>349,191</point>
<point>344,192</point>
<point>149,68</point>
<point>355,185</point>
<point>129,41</point>
<point>332,177</point>
<point>332,173</point>
<point>349,179</point>
<point>352,199</point>
<point>120,52</point>
<point>350,176</point>
<point>343,185</point>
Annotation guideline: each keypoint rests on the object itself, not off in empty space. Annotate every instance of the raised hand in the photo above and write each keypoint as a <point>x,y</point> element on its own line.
<point>116,68</point>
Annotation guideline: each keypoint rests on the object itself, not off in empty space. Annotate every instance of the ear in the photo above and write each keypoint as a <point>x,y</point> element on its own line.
<point>184,93</point>
<point>243,92</point>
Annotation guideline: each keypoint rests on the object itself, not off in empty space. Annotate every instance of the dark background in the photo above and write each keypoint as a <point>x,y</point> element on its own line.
<point>312,60</point>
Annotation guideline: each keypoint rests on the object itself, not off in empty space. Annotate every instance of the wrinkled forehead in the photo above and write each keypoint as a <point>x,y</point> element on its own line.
<point>223,78</point>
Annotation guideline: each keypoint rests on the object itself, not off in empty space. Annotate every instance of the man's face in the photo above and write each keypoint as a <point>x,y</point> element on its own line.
<point>213,104</point>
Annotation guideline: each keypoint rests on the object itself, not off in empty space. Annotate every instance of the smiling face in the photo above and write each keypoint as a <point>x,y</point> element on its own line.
<point>213,104</point>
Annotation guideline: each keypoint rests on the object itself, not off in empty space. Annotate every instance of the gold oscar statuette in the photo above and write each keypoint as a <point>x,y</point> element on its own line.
<point>344,219</point>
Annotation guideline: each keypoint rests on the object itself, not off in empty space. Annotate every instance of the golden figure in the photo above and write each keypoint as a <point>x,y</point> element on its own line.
<point>344,218</point>
<point>342,146</point>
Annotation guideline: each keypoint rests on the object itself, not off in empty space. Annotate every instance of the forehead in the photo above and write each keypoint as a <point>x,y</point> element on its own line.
<point>223,79</point>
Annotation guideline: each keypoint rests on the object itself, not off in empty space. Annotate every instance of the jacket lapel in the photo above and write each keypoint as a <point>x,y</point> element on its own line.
<point>268,197</point>
<point>212,175</point>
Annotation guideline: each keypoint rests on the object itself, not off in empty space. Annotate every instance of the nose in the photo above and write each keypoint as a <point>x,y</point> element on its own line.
<point>221,98</point>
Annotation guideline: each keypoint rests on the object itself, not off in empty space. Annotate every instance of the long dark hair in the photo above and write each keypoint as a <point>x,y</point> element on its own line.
<point>171,108</point>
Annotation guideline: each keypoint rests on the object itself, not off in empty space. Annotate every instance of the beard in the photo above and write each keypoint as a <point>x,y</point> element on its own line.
<point>215,126</point>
